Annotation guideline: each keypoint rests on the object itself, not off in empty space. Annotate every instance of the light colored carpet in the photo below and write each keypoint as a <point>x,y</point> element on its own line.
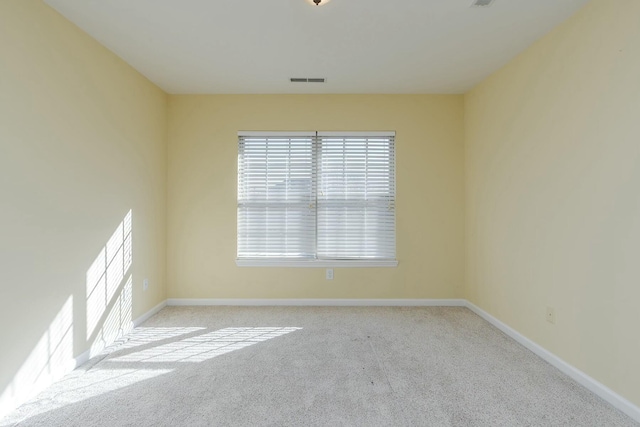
<point>339,366</point>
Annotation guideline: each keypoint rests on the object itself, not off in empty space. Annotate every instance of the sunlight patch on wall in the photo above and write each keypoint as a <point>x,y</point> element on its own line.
<point>117,322</point>
<point>207,346</point>
<point>51,358</point>
<point>106,274</point>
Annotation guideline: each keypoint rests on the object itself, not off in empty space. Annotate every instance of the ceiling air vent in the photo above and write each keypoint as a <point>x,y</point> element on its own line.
<point>306,80</point>
<point>481,3</point>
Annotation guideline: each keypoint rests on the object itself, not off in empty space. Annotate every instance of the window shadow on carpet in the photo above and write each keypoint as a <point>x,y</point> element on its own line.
<point>142,356</point>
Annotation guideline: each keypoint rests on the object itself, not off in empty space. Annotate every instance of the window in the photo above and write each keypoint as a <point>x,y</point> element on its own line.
<point>316,198</point>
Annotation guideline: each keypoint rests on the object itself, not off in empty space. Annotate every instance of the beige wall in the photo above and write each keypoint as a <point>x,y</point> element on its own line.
<point>82,141</point>
<point>553,193</point>
<point>552,202</point>
<point>202,195</point>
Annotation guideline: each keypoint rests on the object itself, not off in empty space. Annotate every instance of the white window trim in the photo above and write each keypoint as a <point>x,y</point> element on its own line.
<point>316,263</point>
<point>259,134</point>
<point>373,134</point>
<point>320,263</point>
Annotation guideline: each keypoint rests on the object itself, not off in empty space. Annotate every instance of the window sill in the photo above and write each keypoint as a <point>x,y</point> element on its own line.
<point>315,263</point>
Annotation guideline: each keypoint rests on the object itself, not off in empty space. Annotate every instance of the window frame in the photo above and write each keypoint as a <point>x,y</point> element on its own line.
<point>316,262</point>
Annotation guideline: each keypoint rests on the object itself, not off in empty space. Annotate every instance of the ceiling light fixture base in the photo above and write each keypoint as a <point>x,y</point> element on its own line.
<point>318,2</point>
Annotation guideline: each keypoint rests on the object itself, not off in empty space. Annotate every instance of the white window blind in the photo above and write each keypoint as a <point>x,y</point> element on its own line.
<point>276,196</point>
<point>356,196</point>
<point>316,196</point>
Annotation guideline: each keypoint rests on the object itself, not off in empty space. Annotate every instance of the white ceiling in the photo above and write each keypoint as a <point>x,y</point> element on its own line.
<point>359,46</point>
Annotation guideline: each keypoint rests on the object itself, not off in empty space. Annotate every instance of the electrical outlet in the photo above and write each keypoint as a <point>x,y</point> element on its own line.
<point>329,273</point>
<point>145,284</point>
<point>551,315</point>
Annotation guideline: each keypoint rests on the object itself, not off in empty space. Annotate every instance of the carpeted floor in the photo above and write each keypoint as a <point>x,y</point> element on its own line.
<point>307,366</point>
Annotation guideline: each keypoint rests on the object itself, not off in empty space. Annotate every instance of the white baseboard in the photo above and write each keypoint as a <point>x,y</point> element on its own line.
<point>140,320</point>
<point>577,375</point>
<point>580,377</point>
<point>61,368</point>
<point>320,302</point>
<point>84,357</point>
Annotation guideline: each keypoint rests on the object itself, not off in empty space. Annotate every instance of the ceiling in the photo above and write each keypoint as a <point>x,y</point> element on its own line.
<point>359,46</point>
